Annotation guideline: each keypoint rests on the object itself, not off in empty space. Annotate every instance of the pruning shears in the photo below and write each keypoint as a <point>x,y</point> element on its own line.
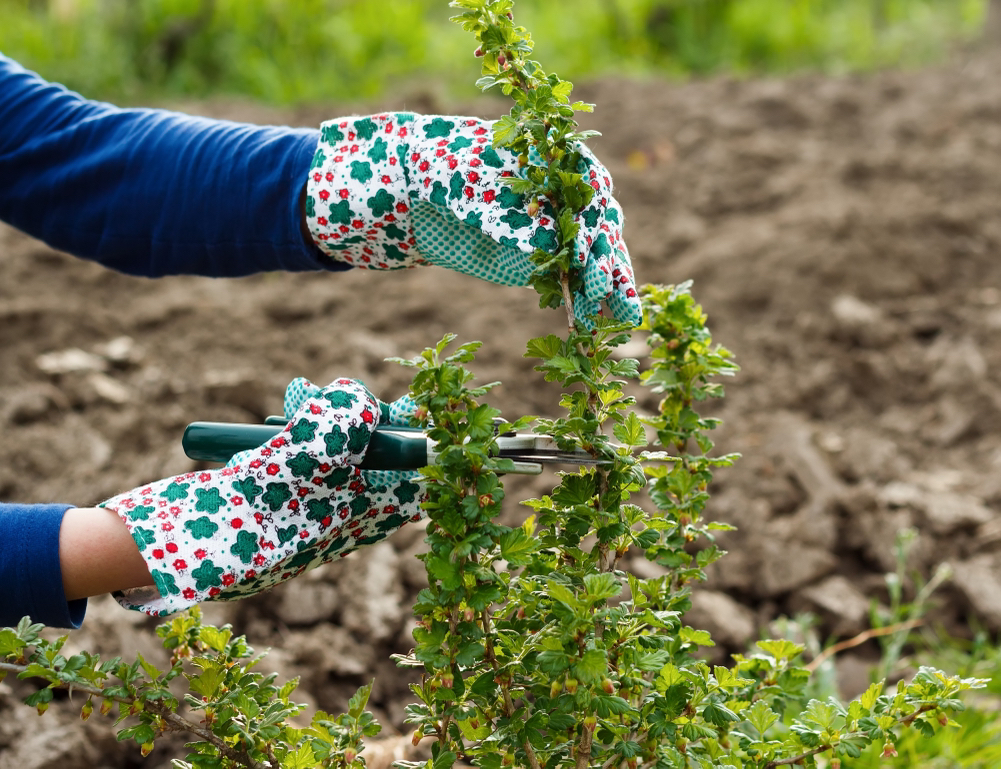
<point>390,448</point>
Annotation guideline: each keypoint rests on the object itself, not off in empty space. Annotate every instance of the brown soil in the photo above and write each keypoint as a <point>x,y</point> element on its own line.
<point>843,235</point>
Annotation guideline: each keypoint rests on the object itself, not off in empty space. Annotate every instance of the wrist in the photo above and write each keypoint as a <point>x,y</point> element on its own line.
<point>97,554</point>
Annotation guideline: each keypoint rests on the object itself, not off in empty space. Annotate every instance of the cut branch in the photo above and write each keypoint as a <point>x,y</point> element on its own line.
<point>860,639</point>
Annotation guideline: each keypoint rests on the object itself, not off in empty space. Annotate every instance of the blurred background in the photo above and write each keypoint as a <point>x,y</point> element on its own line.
<point>296,51</point>
<point>826,171</point>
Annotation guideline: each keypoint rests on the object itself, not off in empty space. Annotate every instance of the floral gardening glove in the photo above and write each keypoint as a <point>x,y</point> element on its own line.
<point>397,190</point>
<point>295,503</point>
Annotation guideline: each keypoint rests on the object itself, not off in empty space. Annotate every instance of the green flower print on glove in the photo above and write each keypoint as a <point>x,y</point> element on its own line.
<point>273,512</point>
<point>397,190</point>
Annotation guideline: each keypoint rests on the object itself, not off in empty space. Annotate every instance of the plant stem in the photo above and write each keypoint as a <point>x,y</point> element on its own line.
<point>583,752</point>
<point>567,300</point>
<point>797,759</point>
<point>861,638</point>
<point>509,708</point>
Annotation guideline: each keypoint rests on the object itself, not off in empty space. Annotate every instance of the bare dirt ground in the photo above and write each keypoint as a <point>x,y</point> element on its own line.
<point>843,235</point>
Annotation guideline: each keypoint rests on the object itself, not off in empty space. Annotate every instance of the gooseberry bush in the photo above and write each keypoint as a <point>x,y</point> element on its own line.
<point>537,646</point>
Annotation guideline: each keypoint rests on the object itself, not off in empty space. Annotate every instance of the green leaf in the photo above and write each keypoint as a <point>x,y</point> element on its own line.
<point>469,653</point>
<point>630,431</point>
<point>358,701</point>
<point>575,490</point>
<point>781,649</point>
<point>215,638</point>
<point>516,547</point>
<point>444,760</point>
<point>506,130</point>
<point>761,717</point>
<point>561,91</point>
<point>693,636</point>
<point>471,733</point>
<point>207,683</point>
<point>824,715</point>
<point>592,666</point>
<point>670,676</point>
<point>869,697</point>
<point>151,672</point>
<point>719,715</point>
<point>544,347</point>
<point>606,705</point>
<point>599,587</point>
<point>563,594</point>
<point>10,643</point>
<point>303,758</point>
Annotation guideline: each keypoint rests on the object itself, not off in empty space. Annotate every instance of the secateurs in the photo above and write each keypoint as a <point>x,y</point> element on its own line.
<point>390,448</point>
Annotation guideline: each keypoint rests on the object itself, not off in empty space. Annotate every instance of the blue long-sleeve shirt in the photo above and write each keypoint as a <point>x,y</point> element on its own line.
<point>145,192</point>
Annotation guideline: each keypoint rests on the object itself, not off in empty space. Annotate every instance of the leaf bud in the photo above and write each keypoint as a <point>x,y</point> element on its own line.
<point>416,737</point>
<point>571,685</point>
<point>943,719</point>
<point>447,679</point>
<point>889,750</point>
<point>135,708</point>
<point>485,499</point>
<point>146,748</point>
<point>350,754</point>
<point>105,707</point>
<point>41,707</point>
<point>86,710</point>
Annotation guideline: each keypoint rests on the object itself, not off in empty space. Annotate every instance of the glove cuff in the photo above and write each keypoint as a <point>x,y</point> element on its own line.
<point>357,202</point>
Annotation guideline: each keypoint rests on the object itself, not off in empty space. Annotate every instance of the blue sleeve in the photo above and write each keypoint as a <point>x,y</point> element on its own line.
<point>151,192</point>
<point>30,576</point>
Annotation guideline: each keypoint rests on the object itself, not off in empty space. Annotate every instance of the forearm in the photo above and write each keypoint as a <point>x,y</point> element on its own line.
<point>151,192</point>
<point>97,554</point>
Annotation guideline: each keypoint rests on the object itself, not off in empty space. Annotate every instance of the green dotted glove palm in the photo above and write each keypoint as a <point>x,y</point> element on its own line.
<point>288,506</point>
<point>397,190</point>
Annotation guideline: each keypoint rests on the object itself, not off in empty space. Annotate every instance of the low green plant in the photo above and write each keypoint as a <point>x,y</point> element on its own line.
<point>245,716</point>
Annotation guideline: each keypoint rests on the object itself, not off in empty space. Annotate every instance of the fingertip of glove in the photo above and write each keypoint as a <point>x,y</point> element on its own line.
<point>401,411</point>
<point>625,309</point>
<point>597,279</point>
<point>299,390</point>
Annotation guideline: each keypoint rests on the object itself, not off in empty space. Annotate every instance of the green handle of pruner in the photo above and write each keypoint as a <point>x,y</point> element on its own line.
<point>390,448</point>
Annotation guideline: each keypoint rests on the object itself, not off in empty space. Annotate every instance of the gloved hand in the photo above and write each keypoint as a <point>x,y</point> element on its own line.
<point>273,512</point>
<point>397,190</point>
